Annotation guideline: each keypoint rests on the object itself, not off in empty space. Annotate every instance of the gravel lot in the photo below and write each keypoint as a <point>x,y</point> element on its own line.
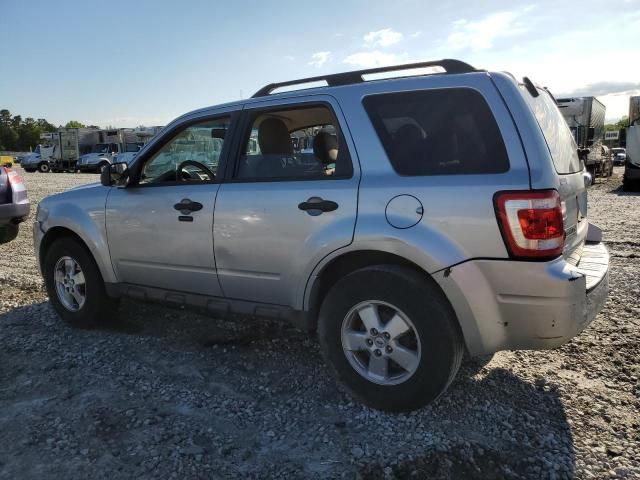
<point>171,394</point>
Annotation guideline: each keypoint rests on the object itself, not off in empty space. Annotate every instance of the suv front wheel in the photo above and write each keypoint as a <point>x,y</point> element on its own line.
<point>75,286</point>
<point>390,337</point>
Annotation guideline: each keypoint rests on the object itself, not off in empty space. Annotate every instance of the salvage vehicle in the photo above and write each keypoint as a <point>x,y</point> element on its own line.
<point>122,142</point>
<point>631,177</point>
<point>619,155</point>
<point>14,204</point>
<point>585,117</point>
<point>439,214</point>
<point>6,161</point>
<point>40,159</point>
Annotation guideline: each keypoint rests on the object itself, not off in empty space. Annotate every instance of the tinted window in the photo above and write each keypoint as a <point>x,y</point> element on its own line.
<point>300,143</point>
<point>438,132</point>
<point>560,140</point>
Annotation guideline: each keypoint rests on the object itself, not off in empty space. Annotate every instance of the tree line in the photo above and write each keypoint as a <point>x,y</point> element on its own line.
<point>22,135</point>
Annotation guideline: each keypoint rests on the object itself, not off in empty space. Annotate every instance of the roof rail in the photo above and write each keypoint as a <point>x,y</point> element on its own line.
<point>347,78</point>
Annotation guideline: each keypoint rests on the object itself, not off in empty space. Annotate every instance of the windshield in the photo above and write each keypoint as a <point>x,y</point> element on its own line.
<point>37,149</point>
<point>100,148</point>
<point>560,141</point>
<point>133,147</point>
<point>617,150</point>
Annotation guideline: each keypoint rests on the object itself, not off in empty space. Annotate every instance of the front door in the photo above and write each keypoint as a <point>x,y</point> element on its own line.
<point>290,200</point>
<point>160,228</point>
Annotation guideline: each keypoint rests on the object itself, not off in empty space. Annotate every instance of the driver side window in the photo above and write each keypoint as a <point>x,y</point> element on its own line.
<point>192,155</point>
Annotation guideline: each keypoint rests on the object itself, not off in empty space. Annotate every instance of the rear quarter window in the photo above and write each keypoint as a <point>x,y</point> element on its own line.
<point>438,132</point>
<point>560,142</point>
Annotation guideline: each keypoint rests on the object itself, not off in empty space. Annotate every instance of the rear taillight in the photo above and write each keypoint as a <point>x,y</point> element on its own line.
<point>531,223</point>
<point>14,178</point>
<point>18,190</point>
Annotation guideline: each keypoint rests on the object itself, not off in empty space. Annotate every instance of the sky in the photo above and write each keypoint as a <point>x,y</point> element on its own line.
<point>127,63</point>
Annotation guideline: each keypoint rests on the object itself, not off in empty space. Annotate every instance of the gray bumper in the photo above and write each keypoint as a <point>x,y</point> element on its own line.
<point>13,212</point>
<point>510,305</point>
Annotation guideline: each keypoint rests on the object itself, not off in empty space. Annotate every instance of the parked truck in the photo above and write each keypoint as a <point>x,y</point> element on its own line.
<point>59,151</point>
<point>585,117</point>
<point>631,178</point>
<point>121,143</point>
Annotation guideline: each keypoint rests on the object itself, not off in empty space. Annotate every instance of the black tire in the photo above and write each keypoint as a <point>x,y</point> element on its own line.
<point>8,233</point>
<point>101,165</point>
<point>44,168</point>
<point>98,307</point>
<point>437,331</point>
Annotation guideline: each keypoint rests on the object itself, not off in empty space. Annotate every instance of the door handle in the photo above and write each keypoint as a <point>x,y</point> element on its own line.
<point>316,205</point>
<point>187,206</point>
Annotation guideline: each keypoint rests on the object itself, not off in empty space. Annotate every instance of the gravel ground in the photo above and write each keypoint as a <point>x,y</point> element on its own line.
<point>171,394</point>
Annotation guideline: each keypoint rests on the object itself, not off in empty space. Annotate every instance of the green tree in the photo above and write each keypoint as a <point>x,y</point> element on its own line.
<point>622,123</point>
<point>74,124</point>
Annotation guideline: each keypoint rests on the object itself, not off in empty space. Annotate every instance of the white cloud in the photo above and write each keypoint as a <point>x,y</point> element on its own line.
<point>417,34</point>
<point>319,58</point>
<point>374,59</point>
<point>481,34</point>
<point>382,38</point>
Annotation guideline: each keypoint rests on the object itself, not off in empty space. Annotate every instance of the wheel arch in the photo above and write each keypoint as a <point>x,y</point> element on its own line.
<point>60,231</point>
<point>320,284</point>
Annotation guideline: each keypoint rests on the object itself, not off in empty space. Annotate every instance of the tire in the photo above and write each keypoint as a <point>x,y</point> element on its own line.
<point>101,165</point>
<point>44,168</point>
<point>8,233</point>
<point>395,292</point>
<point>97,307</point>
<point>30,170</point>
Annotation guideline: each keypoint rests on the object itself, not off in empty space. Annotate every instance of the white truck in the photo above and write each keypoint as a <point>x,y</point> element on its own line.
<point>115,145</point>
<point>631,178</point>
<point>59,151</point>
<point>585,117</point>
<point>40,159</point>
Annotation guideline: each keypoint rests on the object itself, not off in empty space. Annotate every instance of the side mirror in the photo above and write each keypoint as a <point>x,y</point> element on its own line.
<point>116,174</point>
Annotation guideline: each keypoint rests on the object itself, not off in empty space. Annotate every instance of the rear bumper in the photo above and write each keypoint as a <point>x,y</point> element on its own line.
<point>510,305</point>
<point>13,212</point>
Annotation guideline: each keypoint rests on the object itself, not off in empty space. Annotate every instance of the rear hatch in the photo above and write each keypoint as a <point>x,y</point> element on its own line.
<point>564,153</point>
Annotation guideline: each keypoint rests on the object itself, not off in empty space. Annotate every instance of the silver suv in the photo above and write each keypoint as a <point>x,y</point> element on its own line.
<point>406,220</point>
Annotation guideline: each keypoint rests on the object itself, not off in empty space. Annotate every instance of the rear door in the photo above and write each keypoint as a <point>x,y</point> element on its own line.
<point>282,209</point>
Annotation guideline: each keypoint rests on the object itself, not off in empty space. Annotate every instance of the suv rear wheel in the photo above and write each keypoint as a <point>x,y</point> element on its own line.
<point>44,167</point>
<point>75,286</point>
<point>390,337</point>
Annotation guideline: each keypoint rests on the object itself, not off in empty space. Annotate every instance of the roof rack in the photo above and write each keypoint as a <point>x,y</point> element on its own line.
<point>347,78</point>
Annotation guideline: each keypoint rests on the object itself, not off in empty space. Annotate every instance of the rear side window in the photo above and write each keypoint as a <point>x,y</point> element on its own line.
<point>438,132</point>
<point>562,145</point>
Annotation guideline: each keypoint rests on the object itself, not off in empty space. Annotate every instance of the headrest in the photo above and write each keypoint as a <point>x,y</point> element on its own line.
<point>408,133</point>
<point>322,143</point>
<point>274,138</point>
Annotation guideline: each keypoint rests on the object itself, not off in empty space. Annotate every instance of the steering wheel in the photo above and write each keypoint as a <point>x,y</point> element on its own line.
<point>198,165</point>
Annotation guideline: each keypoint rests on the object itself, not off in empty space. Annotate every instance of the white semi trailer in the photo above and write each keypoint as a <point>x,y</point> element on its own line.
<point>585,117</point>
<point>631,178</point>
